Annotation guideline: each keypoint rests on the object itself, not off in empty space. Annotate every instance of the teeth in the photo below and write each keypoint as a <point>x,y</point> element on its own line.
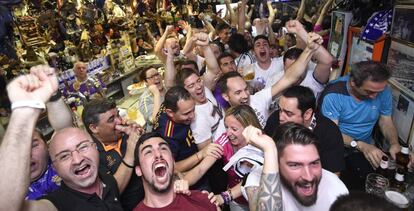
<point>158,165</point>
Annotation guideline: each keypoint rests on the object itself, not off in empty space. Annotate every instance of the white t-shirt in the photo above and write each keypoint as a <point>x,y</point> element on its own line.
<point>270,76</point>
<point>312,83</point>
<point>245,59</point>
<point>209,120</point>
<point>260,103</point>
<point>329,189</point>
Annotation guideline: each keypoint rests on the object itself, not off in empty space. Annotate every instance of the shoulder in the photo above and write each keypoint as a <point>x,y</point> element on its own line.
<point>332,181</point>
<point>201,199</point>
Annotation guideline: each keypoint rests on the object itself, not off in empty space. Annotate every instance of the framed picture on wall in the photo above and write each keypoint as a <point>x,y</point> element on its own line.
<point>403,23</point>
<point>401,62</point>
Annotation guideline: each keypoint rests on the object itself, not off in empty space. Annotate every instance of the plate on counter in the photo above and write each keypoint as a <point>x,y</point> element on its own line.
<point>136,88</point>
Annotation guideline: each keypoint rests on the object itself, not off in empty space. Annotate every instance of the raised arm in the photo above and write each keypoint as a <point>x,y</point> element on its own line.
<point>189,43</point>
<point>212,66</point>
<point>323,57</point>
<point>30,92</point>
<point>211,30</point>
<point>169,69</point>
<point>269,195</point>
<point>324,11</point>
<point>242,16</point>
<point>124,172</point>
<point>158,50</point>
<point>301,10</point>
<point>298,68</point>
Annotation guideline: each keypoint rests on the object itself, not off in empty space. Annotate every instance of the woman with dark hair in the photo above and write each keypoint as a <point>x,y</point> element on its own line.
<point>150,101</point>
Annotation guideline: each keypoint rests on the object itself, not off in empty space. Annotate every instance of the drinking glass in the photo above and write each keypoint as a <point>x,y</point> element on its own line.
<point>376,184</point>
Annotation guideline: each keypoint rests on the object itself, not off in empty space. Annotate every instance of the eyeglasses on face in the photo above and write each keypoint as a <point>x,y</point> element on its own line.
<point>67,155</point>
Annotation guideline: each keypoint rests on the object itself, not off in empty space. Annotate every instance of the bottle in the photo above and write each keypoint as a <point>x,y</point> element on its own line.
<point>383,168</point>
<point>398,181</point>
<point>402,157</point>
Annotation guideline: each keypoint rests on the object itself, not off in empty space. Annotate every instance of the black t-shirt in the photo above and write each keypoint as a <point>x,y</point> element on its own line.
<point>331,144</point>
<point>109,162</point>
<point>68,199</point>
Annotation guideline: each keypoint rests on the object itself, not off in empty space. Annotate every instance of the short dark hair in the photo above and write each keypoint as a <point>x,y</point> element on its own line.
<point>261,36</point>
<point>360,201</point>
<point>237,43</point>
<point>304,95</point>
<point>182,75</point>
<point>93,109</point>
<point>140,141</point>
<point>173,95</point>
<point>178,64</point>
<point>222,81</point>
<point>369,70</point>
<point>223,55</point>
<point>143,74</point>
<point>293,133</point>
<point>292,53</point>
<point>221,26</point>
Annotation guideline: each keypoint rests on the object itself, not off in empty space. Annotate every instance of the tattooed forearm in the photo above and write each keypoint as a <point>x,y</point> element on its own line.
<point>269,196</point>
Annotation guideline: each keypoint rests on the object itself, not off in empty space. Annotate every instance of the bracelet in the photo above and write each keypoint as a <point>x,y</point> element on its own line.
<point>126,164</point>
<point>231,195</point>
<point>226,197</point>
<point>55,97</point>
<point>28,103</point>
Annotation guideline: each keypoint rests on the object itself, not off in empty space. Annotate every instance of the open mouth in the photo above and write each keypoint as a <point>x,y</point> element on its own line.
<point>82,170</point>
<point>160,169</point>
<point>306,189</point>
<point>262,54</point>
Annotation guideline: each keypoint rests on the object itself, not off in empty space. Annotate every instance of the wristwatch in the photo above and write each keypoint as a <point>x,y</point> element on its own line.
<point>354,144</point>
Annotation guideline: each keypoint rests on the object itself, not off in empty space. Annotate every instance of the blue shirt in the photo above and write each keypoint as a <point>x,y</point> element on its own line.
<point>355,118</point>
<point>179,136</point>
<point>49,182</point>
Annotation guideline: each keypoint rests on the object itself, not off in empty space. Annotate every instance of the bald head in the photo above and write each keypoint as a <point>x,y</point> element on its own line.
<point>65,137</point>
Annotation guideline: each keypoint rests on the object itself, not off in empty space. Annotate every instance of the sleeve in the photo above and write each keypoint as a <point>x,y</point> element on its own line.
<point>332,149</point>
<point>165,129</point>
<point>145,106</point>
<point>330,107</point>
<point>386,102</point>
<point>272,123</point>
<point>200,128</point>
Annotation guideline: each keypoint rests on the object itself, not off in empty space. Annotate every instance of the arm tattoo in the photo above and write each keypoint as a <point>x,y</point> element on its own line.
<point>269,196</point>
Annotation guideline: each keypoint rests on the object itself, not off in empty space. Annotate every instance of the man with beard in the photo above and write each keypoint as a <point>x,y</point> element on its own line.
<point>305,185</point>
<point>71,150</point>
<point>297,104</point>
<point>154,162</point>
<point>116,145</point>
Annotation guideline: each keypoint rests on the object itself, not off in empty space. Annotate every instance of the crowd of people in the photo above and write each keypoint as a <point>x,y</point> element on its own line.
<point>283,138</point>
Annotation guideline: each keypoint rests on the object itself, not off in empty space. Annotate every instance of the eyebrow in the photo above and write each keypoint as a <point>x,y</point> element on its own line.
<point>150,146</point>
<point>69,150</point>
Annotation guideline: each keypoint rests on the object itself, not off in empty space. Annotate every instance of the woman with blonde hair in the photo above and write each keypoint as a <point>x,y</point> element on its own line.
<point>237,118</point>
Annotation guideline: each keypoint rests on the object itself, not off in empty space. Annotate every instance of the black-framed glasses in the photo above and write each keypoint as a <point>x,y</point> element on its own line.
<point>67,155</point>
<point>153,76</point>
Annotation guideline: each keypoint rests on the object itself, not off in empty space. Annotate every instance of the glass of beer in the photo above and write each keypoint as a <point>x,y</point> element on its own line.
<point>132,113</point>
<point>248,72</point>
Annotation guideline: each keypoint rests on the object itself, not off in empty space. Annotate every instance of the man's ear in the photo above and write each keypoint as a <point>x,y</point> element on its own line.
<point>138,171</point>
<point>170,113</point>
<point>226,97</point>
<point>93,128</point>
<point>308,114</point>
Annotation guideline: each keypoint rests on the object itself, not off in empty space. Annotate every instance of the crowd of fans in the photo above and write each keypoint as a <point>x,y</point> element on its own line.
<point>244,118</point>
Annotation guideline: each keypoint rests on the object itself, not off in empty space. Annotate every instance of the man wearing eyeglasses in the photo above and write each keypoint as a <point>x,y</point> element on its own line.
<point>72,151</point>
